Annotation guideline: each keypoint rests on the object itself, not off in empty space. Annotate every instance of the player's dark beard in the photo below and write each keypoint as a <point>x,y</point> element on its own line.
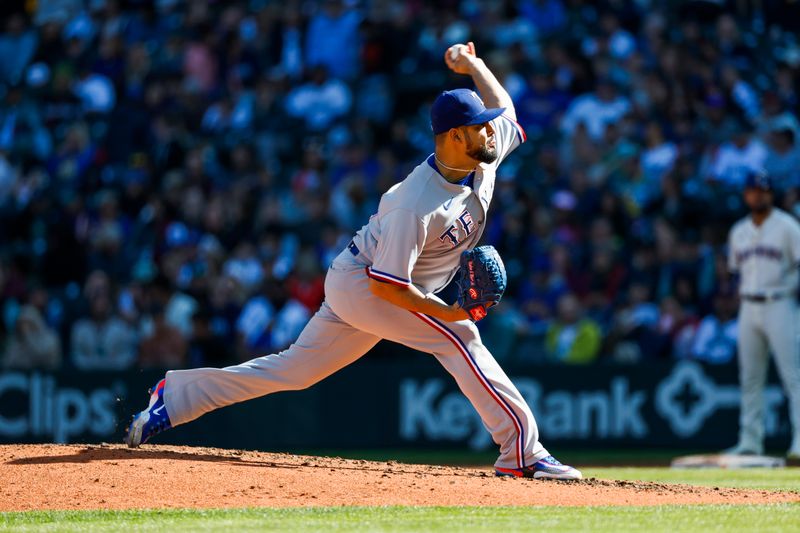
<point>760,209</point>
<point>483,153</point>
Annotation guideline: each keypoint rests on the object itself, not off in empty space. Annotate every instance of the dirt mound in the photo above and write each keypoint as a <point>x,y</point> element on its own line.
<point>107,476</point>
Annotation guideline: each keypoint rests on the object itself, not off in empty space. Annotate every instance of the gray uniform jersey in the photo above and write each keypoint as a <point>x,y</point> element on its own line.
<point>767,259</point>
<point>767,256</point>
<point>424,222</point>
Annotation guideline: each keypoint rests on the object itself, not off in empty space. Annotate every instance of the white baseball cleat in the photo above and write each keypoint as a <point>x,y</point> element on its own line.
<point>744,449</point>
<point>547,468</point>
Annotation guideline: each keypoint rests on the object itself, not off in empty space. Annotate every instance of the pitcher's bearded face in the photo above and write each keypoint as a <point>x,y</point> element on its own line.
<point>480,142</point>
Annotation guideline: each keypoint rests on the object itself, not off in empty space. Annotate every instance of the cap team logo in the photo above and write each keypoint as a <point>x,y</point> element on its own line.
<point>478,98</point>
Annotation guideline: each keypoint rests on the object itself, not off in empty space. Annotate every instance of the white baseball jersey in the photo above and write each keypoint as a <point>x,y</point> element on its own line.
<point>766,256</point>
<point>424,222</point>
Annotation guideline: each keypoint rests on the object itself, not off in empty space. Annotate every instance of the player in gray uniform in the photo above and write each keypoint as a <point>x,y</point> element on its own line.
<point>383,285</point>
<point>764,250</point>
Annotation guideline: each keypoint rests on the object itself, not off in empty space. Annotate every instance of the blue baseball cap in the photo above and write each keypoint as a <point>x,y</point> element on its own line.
<point>460,107</point>
<point>758,179</point>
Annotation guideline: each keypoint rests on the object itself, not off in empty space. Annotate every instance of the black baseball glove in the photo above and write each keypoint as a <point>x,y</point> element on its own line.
<point>481,282</point>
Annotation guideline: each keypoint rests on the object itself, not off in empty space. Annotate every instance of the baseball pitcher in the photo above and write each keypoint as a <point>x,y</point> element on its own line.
<point>764,250</point>
<point>384,285</point>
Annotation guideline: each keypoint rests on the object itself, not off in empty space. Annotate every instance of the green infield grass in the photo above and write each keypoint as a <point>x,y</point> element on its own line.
<point>786,479</point>
<point>680,518</point>
<point>592,465</point>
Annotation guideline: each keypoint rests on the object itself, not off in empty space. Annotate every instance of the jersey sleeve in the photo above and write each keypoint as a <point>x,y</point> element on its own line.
<point>733,264</point>
<point>400,242</point>
<point>794,242</point>
<point>508,136</point>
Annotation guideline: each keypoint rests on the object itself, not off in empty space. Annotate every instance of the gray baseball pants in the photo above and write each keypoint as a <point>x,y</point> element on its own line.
<point>765,327</point>
<point>350,322</point>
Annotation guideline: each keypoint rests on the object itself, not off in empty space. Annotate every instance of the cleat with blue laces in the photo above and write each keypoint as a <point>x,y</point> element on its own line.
<point>546,468</point>
<point>152,421</point>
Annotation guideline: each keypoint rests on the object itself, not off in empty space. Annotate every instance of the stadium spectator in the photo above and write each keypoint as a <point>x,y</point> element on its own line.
<point>743,153</point>
<point>774,115</point>
<point>783,154</point>
<point>95,91</point>
<point>32,344</point>
<point>163,346</point>
<point>9,177</point>
<point>289,322</point>
<point>17,47</point>
<point>659,156</point>
<point>22,129</point>
<point>307,284</point>
<point>332,39</point>
<point>634,334</point>
<point>103,341</point>
<point>715,341</point>
<point>320,101</point>
<point>206,347</point>
<point>677,327</point>
<point>547,16</point>
<point>572,338</point>
<point>541,103</point>
<point>595,110</point>
<point>254,323</point>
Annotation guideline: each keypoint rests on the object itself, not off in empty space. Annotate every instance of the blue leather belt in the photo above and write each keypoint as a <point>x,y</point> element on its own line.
<point>353,248</point>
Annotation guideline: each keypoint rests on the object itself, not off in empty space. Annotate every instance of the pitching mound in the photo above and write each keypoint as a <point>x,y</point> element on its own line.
<point>113,477</point>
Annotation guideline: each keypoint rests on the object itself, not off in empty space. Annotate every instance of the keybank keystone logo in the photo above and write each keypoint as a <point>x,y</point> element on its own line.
<point>688,397</point>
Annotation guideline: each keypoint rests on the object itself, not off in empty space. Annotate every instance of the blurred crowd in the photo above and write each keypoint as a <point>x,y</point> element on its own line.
<point>176,176</point>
